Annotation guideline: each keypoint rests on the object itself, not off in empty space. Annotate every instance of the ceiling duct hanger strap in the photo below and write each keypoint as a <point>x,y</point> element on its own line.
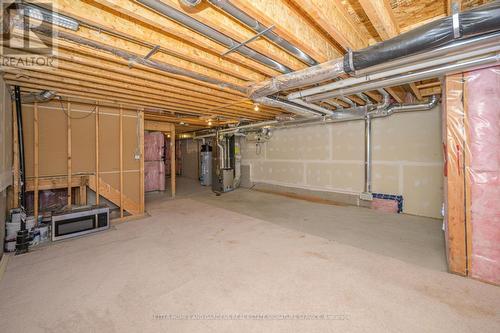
<point>234,48</point>
<point>146,57</point>
<point>455,9</point>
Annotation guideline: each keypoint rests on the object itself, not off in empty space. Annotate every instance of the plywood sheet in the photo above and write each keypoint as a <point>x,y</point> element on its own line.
<point>83,141</point>
<point>53,142</point>
<point>109,142</point>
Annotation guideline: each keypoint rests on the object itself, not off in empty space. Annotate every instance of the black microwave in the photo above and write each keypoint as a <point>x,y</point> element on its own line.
<point>79,221</point>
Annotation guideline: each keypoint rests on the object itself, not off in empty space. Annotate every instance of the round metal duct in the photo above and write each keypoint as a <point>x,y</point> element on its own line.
<point>191,3</point>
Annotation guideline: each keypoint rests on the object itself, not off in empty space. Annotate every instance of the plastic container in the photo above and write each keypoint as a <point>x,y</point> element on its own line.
<point>44,232</point>
<point>11,230</point>
<point>10,246</point>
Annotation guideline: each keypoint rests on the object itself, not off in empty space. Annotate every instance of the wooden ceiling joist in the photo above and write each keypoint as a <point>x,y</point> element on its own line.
<point>382,17</point>
<point>182,51</point>
<point>334,19</point>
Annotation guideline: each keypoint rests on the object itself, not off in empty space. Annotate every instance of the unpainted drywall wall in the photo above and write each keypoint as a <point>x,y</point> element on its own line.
<point>190,151</point>
<point>407,159</point>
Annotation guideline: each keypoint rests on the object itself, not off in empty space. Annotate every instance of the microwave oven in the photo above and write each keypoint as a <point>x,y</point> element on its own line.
<point>79,221</point>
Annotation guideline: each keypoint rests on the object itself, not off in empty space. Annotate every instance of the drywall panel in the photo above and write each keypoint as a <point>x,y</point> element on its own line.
<point>423,190</point>
<point>412,136</point>
<point>386,178</point>
<point>348,140</point>
<point>332,158</point>
<point>279,171</point>
<point>310,144</point>
<point>338,176</point>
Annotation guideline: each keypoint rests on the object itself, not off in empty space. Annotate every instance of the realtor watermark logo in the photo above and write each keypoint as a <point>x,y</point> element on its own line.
<point>27,35</point>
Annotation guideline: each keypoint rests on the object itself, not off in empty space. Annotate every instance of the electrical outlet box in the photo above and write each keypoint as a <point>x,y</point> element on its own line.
<point>367,196</point>
<point>137,156</point>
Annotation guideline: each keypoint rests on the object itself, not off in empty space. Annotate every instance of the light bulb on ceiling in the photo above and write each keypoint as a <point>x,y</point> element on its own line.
<point>256,107</point>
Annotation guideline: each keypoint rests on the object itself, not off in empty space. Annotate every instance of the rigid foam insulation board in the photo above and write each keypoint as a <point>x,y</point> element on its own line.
<point>407,159</point>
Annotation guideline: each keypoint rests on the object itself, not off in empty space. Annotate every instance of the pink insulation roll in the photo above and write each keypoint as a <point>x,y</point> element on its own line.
<point>154,143</point>
<point>154,176</point>
<point>383,205</point>
<point>483,115</point>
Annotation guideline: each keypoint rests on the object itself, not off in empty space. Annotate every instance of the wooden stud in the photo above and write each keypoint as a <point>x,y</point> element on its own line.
<point>454,181</point>
<point>36,160</point>
<point>121,161</point>
<point>467,177</point>
<point>97,153</point>
<point>68,117</point>
<point>140,119</point>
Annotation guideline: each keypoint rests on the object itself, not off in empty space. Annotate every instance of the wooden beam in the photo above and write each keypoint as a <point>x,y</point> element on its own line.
<point>140,119</point>
<point>415,91</point>
<point>454,176</point>
<point>113,87</point>
<point>171,46</point>
<point>88,89</point>
<point>97,154</point>
<point>169,27</point>
<point>158,126</point>
<point>35,159</point>
<point>397,93</point>
<point>291,26</point>
<point>68,117</point>
<point>56,182</point>
<point>381,16</point>
<point>121,161</point>
<point>332,17</point>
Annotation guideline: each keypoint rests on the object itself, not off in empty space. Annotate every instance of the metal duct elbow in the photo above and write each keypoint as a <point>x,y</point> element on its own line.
<point>433,101</point>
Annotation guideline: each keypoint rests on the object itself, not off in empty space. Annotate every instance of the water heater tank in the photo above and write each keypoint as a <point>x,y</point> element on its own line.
<point>206,165</point>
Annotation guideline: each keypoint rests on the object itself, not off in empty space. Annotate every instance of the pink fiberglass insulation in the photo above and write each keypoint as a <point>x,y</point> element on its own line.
<point>384,205</point>
<point>154,176</point>
<point>153,146</point>
<point>483,115</point>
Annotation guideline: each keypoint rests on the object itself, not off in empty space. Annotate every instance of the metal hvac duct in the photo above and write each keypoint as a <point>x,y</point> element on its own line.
<point>478,21</point>
<point>42,96</point>
<point>211,33</point>
<point>435,39</point>
<point>252,23</point>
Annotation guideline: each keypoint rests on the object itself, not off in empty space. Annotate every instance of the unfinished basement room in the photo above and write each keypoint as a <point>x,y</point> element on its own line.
<point>250,166</point>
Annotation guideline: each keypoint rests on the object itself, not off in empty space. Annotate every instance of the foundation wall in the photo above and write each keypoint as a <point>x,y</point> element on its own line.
<point>407,159</point>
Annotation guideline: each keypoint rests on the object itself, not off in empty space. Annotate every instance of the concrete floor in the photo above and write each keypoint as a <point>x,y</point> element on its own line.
<point>247,253</point>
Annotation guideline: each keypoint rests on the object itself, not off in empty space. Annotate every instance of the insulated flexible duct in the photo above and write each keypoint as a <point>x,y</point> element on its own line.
<point>481,20</point>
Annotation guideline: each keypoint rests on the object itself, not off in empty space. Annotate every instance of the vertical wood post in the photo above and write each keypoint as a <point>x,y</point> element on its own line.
<point>36,160</point>
<point>69,155</point>
<point>97,182</point>
<point>140,119</point>
<point>121,161</point>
